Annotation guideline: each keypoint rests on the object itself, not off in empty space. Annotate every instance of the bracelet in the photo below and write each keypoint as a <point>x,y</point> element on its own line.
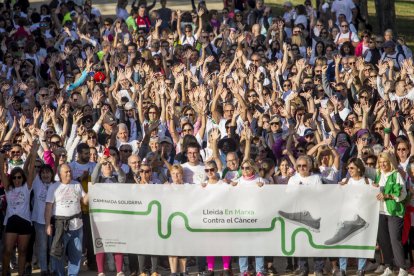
<point>387,130</point>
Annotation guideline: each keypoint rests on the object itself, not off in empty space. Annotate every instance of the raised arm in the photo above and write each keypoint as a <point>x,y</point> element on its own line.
<point>4,178</point>
<point>200,23</point>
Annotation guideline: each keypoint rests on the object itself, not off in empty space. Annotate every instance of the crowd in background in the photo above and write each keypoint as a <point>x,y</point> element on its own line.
<point>245,95</point>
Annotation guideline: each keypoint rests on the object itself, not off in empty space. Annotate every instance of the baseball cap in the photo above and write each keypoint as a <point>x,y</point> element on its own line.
<point>389,44</point>
<point>166,139</point>
<point>308,131</point>
<point>275,119</point>
<point>109,119</point>
<point>129,106</point>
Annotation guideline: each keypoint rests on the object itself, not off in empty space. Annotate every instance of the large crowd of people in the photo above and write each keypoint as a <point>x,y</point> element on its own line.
<point>244,95</point>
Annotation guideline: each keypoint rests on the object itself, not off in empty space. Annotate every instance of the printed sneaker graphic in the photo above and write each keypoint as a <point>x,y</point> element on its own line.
<point>303,218</point>
<point>347,230</point>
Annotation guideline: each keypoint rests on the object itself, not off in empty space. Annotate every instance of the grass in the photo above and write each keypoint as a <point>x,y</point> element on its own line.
<point>404,16</point>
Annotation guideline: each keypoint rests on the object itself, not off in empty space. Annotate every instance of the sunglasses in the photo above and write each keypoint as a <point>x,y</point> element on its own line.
<point>302,166</point>
<point>91,137</point>
<point>209,170</point>
<point>246,168</point>
<point>17,177</point>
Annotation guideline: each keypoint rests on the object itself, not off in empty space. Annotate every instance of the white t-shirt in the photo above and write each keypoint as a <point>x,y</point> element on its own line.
<point>39,205</point>
<point>18,202</point>
<point>66,199</point>
<point>329,174</point>
<point>312,180</point>
<point>78,169</point>
<point>193,174</point>
<point>188,40</point>
<point>353,37</point>
<point>403,193</point>
<point>343,7</point>
<point>257,179</point>
<point>362,181</point>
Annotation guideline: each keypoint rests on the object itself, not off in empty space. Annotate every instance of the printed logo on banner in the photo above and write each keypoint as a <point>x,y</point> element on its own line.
<point>98,243</point>
<point>223,220</point>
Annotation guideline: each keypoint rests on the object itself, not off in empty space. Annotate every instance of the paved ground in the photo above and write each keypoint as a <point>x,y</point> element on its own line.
<point>279,263</point>
<point>108,7</point>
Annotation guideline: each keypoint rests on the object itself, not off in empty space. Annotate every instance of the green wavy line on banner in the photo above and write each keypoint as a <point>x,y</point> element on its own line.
<point>237,230</point>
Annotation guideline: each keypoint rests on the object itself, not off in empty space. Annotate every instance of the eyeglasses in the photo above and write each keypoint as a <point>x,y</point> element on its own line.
<point>302,165</point>
<point>209,170</point>
<point>245,168</point>
<point>17,177</point>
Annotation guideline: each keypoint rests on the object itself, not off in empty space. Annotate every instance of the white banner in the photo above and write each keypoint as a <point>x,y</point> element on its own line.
<point>273,220</point>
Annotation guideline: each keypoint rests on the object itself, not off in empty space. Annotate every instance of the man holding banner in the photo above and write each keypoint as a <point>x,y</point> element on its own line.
<point>63,218</point>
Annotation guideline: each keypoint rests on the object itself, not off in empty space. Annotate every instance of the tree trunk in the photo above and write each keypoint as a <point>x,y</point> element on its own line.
<point>363,9</point>
<point>385,15</point>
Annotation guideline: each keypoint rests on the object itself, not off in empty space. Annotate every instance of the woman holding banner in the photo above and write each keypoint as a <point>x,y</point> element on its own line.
<point>392,209</point>
<point>356,171</point>
<point>213,178</point>
<point>250,177</point>
<point>177,264</point>
<point>145,174</point>
<point>104,172</point>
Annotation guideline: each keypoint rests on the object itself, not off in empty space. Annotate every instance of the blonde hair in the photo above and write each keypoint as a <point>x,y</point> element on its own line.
<point>390,157</point>
<point>177,167</point>
<point>252,164</point>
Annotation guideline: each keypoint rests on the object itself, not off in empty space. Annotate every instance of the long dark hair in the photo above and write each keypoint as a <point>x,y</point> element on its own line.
<point>15,171</point>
